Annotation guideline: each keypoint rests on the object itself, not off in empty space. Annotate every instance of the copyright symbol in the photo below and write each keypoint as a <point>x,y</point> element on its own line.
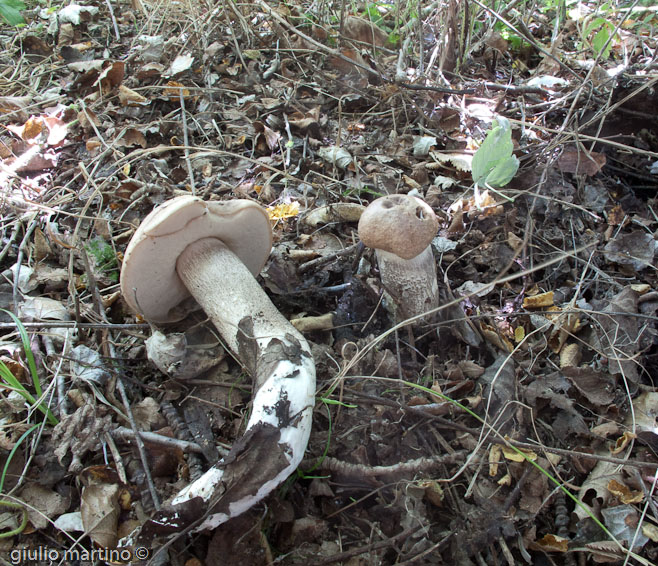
<point>141,553</point>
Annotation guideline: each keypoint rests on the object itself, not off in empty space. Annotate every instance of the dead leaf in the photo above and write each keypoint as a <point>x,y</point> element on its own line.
<point>111,76</point>
<point>360,29</point>
<point>625,495</point>
<point>495,337</point>
<point>619,334</point>
<point>596,487</point>
<point>565,324</point>
<point>129,97</point>
<point>570,356</point>
<point>596,387</point>
<point>43,504</point>
<point>518,456</point>
<point>99,507</point>
<point>540,301</point>
<point>622,443</point>
<point>635,249</point>
<point>553,543</point>
<point>581,162</point>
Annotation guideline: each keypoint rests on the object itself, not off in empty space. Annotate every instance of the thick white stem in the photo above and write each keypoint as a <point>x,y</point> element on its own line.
<point>411,283</point>
<point>280,361</point>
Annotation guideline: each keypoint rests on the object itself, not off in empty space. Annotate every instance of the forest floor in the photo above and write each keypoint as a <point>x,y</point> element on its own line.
<point>515,425</point>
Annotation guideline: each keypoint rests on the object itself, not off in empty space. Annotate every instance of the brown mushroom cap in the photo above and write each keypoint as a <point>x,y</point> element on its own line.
<point>149,281</point>
<point>400,224</point>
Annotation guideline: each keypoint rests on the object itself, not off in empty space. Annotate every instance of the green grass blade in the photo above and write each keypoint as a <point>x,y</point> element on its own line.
<point>31,364</point>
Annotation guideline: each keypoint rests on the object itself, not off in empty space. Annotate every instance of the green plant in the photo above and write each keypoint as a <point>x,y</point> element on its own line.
<point>10,10</point>
<point>104,258</point>
<point>11,504</point>
<point>367,190</point>
<point>598,33</point>
<point>494,165</point>
<point>12,382</point>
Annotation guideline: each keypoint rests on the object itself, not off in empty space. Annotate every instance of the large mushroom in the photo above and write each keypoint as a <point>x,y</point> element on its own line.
<point>211,251</point>
<point>400,228</point>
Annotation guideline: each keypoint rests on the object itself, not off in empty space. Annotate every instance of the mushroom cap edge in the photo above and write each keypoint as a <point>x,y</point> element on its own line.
<point>149,281</point>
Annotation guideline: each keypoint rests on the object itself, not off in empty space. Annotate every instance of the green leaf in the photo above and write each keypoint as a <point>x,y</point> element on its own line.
<point>494,164</point>
<point>10,10</point>
<point>599,41</point>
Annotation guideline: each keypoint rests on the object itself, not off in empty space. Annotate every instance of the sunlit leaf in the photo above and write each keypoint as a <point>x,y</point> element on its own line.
<point>494,164</point>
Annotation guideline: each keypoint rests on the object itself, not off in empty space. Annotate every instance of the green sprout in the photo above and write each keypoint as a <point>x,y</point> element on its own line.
<point>11,381</point>
<point>104,257</point>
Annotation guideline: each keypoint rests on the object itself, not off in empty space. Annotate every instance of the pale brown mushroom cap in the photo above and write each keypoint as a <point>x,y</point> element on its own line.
<point>400,224</point>
<point>149,282</point>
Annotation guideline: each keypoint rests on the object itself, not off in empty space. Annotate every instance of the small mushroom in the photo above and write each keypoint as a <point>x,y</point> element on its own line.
<point>211,251</point>
<point>400,228</point>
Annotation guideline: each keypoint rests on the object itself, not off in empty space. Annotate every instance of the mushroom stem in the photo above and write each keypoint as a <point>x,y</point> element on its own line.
<point>411,283</point>
<point>234,301</point>
<point>279,358</point>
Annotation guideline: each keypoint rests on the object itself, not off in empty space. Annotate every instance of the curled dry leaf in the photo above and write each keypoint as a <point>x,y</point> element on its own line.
<point>623,493</point>
<point>335,155</point>
<point>570,356</point>
<point>596,387</point>
<point>553,543</point>
<point>471,369</point>
<point>540,301</point>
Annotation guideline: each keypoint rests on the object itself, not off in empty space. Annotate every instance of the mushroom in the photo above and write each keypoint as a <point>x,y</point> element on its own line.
<point>211,251</point>
<point>400,228</point>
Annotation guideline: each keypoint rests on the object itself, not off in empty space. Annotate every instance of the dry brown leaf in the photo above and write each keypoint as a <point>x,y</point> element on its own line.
<point>129,97</point>
<point>515,456</point>
<point>553,543</point>
<point>99,507</point>
<point>494,459</point>
<point>43,504</point>
<point>622,443</point>
<point>360,29</point>
<point>570,356</point>
<point>581,162</point>
<point>111,76</point>
<point>596,486</point>
<point>596,387</point>
<point>623,493</point>
<point>565,325</point>
<point>635,249</point>
<point>540,301</point>
<point>495,338</point>
<point>471,369</point>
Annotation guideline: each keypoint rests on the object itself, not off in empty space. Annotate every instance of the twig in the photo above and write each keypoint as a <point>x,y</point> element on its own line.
<point>186,140</point>
<point>73,324</point>
<point>114,20</point>
<point>342,556</point>
<point>126,434</point>
<point>314,263</point>
<point>362,471</point>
